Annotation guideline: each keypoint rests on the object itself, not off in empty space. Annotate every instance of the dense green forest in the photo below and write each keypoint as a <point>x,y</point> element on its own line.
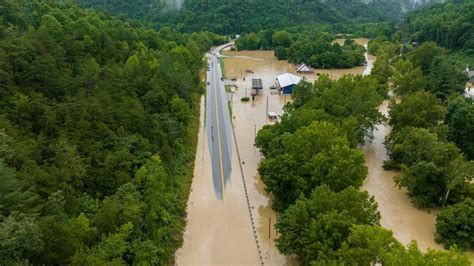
<point>314,46</point>
<point>97,135</point>
<point>231,17</point>
<point>140,10</point>
<point>449,25</point>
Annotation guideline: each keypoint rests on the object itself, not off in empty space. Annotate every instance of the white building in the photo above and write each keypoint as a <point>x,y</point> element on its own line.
<point>286,82</point>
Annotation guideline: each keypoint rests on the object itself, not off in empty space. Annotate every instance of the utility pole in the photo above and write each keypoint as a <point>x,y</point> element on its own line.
<point>269,227</point>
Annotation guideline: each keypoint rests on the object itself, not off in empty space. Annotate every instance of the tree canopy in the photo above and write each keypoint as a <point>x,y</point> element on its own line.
<point>97,135</point>
<point>316,228</point>
<point>239,16</point>
<point>314,144</point>
<point>448,24</point>
<point>460,122</point>
<point>454,225</point>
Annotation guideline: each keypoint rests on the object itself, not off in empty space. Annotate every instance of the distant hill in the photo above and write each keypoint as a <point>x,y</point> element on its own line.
<point>240,16</point>
<point>450,25</point>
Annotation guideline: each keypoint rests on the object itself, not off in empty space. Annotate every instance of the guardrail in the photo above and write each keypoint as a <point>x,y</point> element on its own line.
<point>252,221</point>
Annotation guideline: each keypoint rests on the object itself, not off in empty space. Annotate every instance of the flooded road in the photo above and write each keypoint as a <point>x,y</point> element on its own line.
<point>220,232</point>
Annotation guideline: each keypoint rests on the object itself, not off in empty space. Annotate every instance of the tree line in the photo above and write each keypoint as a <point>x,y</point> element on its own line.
<point>98,127</point>
<point>237,17</point>
<point>449,24</point>
<point>314,46</point>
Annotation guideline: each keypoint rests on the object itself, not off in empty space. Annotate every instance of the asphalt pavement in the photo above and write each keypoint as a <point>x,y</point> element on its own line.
<point>218,124</point>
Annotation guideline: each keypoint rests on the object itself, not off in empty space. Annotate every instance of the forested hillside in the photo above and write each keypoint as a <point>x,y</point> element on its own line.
<point>142,10</point>
<point>450,25</point>
<point>227,17</point>
<point>97,136</point>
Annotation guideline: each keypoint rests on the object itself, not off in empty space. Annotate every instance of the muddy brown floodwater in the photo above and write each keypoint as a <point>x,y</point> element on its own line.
<point>398,213</point>
<point>220,232</point>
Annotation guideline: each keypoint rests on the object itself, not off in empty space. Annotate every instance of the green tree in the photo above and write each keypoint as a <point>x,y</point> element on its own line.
<point>281,53</point>
<point>434,172</point>
<point>460,121</point>
<point>281,38</point>
<point>315,229</point>
<point>426,56</point>
<point>420,109</point>
<point>315,155</point>
<point>303,93</point>
<point>14,195</point>
<point>382,69</point>
<point>446,79</point>
<point>454,225</point>
<point>86,99</point>
<point>111,248</point>
<point>367,245</point>
<point>407,78</point>
<point>250,41</point>
<point>352,96</point>
<point>20,238</point>
<point>413,256</point>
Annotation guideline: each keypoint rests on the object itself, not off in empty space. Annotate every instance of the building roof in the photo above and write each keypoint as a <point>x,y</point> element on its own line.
<point>257,84</point>
<point>288,79</point>
<point>303,68</point>
<point>469,93</point>
<point>469,72</point>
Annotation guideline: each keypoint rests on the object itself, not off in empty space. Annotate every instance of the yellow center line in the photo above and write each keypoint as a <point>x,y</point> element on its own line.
<point>219,141</point>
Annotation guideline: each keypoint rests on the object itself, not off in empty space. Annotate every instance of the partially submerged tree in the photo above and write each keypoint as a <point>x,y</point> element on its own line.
<point>455,226</point>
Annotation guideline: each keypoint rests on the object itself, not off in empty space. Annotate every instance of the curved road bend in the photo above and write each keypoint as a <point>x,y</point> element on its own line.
<point>218,124</point>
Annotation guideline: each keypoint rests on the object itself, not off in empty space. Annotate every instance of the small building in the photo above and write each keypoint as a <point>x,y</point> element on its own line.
<point>304,69</point>
<point>257,85</point>
<point>286,82</point>
<point>470,75</point>
<point>469,92</point>
<point>272,115</point>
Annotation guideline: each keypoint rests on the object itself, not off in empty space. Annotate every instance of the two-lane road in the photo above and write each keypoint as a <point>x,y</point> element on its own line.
<point>218,124</point>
